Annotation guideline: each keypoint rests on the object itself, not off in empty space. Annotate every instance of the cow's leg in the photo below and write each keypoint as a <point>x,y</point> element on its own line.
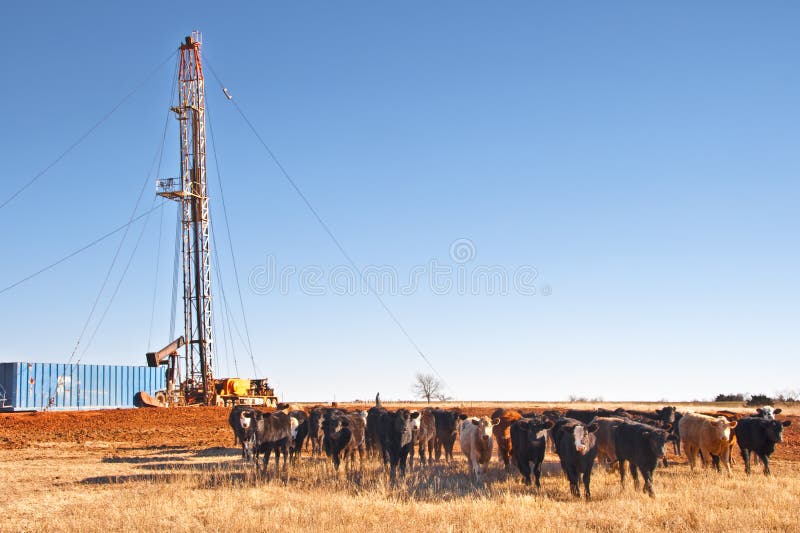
<point>574,480</point>
<point>715,460</point>
<point>537,473</point>
<point>745,459</point>
<point>621,464</point>
<point>664,460</point>
<point>765,460</point>
<point>725,458</point>
<point>647,474</point>
<point>438,445</point>
<point>587,478</point>
<point>525,470</point>
<point>634,475</point>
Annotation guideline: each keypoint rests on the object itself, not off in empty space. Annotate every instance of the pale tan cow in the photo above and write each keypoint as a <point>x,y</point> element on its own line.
<point>426,435</point>
<point>708,435</point>
<point>476,443</point>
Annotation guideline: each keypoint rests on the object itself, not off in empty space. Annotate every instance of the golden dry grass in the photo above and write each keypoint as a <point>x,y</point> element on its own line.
<point>144,479</point>
<point>96,488</point>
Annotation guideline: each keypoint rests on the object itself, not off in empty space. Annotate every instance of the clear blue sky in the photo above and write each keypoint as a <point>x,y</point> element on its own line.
<point>642,158</point>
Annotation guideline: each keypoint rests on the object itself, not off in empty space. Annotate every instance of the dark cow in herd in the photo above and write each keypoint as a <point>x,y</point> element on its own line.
<point>395,436</point>
<point>642,446</point>
<point>577,448</point>
<point>272,434</point>
<point>759,435</point>
<point>344,435</point>
<point>528,444</point>
<point>618,437</point>
<point>446,431</point>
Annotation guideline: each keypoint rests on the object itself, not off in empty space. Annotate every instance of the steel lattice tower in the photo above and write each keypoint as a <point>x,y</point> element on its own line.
<point>192,193</point>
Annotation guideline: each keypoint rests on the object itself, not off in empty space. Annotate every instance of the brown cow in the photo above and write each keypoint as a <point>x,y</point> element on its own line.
<point>502,420</point>
<point>606,447</point>
<point>707,435</point>
<point>426,435</point>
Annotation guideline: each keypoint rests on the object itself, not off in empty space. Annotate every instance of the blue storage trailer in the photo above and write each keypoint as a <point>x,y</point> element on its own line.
<point>57,386</point>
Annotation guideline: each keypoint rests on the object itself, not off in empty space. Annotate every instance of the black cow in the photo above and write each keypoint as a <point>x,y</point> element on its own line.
<point>577,448</point>
<point>395,434</point>
<point>528,443</point>
<point>241,421</point>
<point>446,431</point>
<point>759,435</point>
<point>299,434</point>
<point>344,436</point>
<point>641,445</point>
<point>273,432</point>
<point>372,440</point>
<point>587,415</point>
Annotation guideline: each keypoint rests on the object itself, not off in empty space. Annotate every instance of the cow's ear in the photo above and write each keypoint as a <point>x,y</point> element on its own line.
<point>462,416</point>
<point>667,427</point>
<point>659,411</point>
<point>760,410</point>
<point>549,424</point>
<point>495,421</point>
<point>786,423</point>
<point>415,414</point>
<point>476,422</point>
<point>592,428</point>
<point>619,410</point>
<point>777,411</point>
<point>734,423</point>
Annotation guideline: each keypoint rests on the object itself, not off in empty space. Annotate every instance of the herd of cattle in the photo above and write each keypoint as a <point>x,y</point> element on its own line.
<point>578,437</point>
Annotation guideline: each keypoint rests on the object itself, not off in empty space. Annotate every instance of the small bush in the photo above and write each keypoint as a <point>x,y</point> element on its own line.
<point>760,399</point>
<point>729,397</point>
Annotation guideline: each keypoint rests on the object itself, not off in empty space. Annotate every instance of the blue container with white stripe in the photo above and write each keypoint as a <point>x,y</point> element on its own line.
<point>57,386</point>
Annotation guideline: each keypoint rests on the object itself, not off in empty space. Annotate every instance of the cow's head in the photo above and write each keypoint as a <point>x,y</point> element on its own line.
<point>484,425</point>
<point>722,427</point>
<point>657,439</point>
<point>536,429</point>
<point>415,420</point>
<point>333,423</point>
<point>768,412</point>
<point>667,414</point>
<point>245,419</point>
<point>293,425</point>
<point>773,429</point>
<point>584,437</point>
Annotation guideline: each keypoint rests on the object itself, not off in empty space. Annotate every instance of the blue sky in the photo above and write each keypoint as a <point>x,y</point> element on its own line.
<point>641,158</point>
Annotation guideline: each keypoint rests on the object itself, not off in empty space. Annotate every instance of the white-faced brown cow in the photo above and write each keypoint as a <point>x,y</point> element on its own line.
<point>476,443</point>
<point>710,436</point>
<point>426,435</point>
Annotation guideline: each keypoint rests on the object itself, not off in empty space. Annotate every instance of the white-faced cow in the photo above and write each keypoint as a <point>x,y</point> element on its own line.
<point>576,446</point>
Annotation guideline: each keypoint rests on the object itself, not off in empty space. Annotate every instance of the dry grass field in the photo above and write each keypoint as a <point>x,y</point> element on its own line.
<point>176,470</point>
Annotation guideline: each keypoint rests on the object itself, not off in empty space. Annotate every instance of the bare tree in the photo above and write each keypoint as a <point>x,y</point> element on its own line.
<point>428,387</point>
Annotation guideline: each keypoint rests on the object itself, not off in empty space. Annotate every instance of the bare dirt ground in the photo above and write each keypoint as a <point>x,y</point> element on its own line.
<point>177,470</point>
<point>204,427</point>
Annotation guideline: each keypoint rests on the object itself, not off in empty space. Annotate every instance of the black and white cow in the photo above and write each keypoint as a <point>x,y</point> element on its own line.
<point>241,421</point>
<point>642,445</point>
<point>759,435</point>
<point>576,446</point>
<point>299,433</point>
<point>767,412</point>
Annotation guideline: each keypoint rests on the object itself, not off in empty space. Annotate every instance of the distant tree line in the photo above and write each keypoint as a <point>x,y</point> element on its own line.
<point>788,396</point>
